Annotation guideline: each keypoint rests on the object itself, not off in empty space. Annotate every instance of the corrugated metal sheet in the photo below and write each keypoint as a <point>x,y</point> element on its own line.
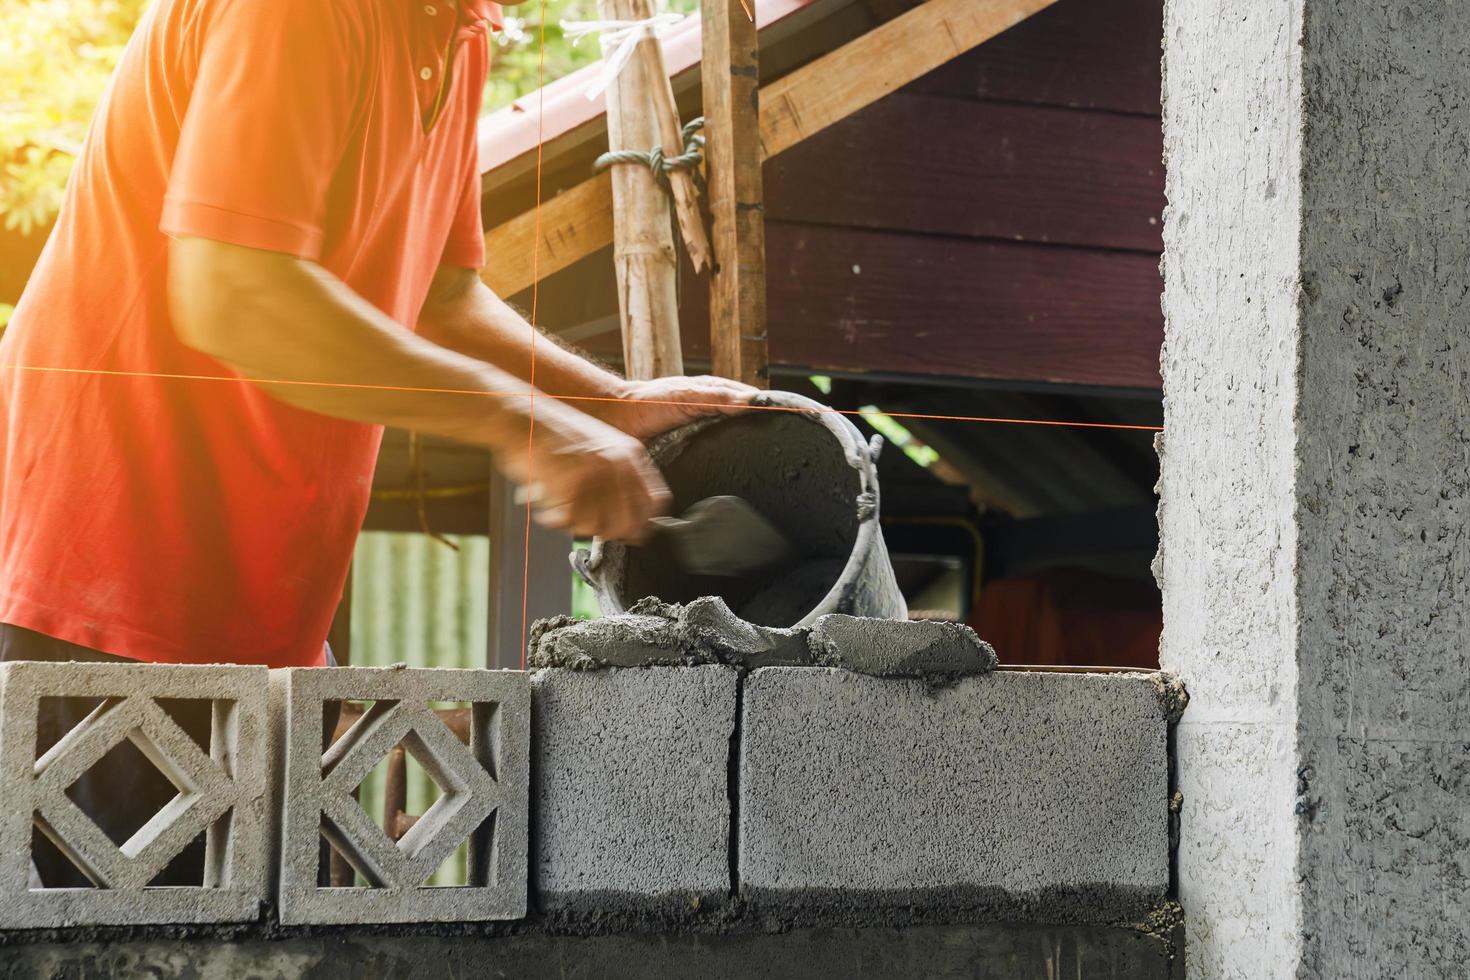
<point>416,601</point>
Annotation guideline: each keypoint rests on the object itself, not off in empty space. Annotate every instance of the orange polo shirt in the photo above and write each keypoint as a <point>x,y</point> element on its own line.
<point>193,518</point>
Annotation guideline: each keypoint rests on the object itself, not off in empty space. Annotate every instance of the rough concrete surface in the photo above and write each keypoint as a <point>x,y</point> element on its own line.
<point>981,952</point>
<point>899,648</point>
<point>655,633</point>
<point>1012,796</point>
<point>227,781</point>
<point>1315,485</point>
<point>1232,136</point>
<point>705,631</point>
<point>631,789</point>
<point>484,790</point>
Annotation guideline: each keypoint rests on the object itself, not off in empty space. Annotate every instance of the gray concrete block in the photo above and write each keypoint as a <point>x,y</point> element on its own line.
<point>1009,796</point>
<point>899,647</point>
<point>631,786</point>
<point>484,787</point>
<point>224,794</point>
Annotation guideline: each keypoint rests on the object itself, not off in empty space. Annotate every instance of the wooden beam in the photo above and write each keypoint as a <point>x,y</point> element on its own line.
<point>579,222</point>
<point>860,73</point>
<point>643,237</point>
<point>731,73</point>
<point>569,227</point>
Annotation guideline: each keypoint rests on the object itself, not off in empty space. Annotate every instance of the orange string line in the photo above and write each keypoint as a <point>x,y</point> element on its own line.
<point>533,395</point>
<point>535,302</point>
<point>859,413</point>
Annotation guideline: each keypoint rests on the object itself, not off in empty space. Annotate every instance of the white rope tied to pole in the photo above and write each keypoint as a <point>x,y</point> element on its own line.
<point>619,36</point>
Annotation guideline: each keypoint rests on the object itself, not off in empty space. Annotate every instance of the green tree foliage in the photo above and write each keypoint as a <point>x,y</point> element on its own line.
<point>515,61</point>
<point>55,59</point>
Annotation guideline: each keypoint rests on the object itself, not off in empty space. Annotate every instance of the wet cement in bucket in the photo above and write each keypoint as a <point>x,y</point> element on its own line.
<point>793,471</point>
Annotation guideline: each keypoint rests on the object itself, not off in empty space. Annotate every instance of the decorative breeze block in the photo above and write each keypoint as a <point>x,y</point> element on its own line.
<point>484,788</point>
<point>222,794</point>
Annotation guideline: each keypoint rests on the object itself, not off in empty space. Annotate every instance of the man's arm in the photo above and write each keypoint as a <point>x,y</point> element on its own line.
<point>310,341</point>
<point>464,315</point>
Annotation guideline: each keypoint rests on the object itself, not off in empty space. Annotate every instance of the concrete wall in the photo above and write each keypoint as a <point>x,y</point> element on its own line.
<point>1228,459</point>
<point>671,800</point>
<point>973,952</point>
<point>1314,483</point>
<point>1384,490</point>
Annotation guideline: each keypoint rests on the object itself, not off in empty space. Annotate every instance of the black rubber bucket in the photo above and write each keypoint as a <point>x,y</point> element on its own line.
<point>808,471</point>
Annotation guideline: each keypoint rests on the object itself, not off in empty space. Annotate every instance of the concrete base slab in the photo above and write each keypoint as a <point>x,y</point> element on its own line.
<point>1009,796</point>
<point>983,952</point>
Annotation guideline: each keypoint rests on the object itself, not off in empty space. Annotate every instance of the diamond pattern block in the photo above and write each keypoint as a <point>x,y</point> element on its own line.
<point>483,793</point>
<point>222,794</point>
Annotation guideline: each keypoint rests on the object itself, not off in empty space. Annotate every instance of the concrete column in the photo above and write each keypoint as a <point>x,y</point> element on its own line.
<point>1314,555</point>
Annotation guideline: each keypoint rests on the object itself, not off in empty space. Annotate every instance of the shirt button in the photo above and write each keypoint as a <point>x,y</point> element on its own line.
<point>430,9</point>
<point>426,73</point>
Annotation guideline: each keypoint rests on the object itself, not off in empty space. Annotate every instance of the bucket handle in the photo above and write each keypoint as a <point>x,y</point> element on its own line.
<point>867,464</point>
<point>581,560</point>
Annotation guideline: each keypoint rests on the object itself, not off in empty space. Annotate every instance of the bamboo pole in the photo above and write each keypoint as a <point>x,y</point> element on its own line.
<point>671,136</point>
<point>643,237</point>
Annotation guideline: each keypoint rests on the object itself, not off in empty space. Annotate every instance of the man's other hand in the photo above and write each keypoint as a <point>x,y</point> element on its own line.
<point>646,408</point>
<point>583,475</point>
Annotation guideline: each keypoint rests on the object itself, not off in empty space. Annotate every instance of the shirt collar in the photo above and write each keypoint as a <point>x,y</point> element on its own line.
<point>480,10</point>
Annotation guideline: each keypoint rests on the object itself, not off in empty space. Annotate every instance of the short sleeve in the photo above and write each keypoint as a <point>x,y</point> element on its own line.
<point>465,248</point>
<point>273,103</point>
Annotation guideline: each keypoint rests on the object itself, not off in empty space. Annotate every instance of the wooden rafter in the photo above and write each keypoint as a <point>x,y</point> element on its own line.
<point>580,221</point>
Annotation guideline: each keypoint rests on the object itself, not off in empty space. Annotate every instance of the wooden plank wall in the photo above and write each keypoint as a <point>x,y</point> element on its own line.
<point>997,219</point>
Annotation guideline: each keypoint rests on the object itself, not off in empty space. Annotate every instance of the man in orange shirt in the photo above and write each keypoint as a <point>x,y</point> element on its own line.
<point>268,251</point>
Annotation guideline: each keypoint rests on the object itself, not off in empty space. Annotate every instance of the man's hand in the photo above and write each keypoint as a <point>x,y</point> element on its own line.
<point>644,409</point>
<point>584,475</point>
<point>586,469</point>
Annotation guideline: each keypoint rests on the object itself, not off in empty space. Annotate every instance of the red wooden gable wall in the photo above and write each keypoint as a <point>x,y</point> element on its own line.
<point>998,219</point>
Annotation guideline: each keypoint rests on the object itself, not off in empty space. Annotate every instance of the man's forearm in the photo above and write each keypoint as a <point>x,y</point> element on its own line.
<point>464,315</point>
<point>312,342</point>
